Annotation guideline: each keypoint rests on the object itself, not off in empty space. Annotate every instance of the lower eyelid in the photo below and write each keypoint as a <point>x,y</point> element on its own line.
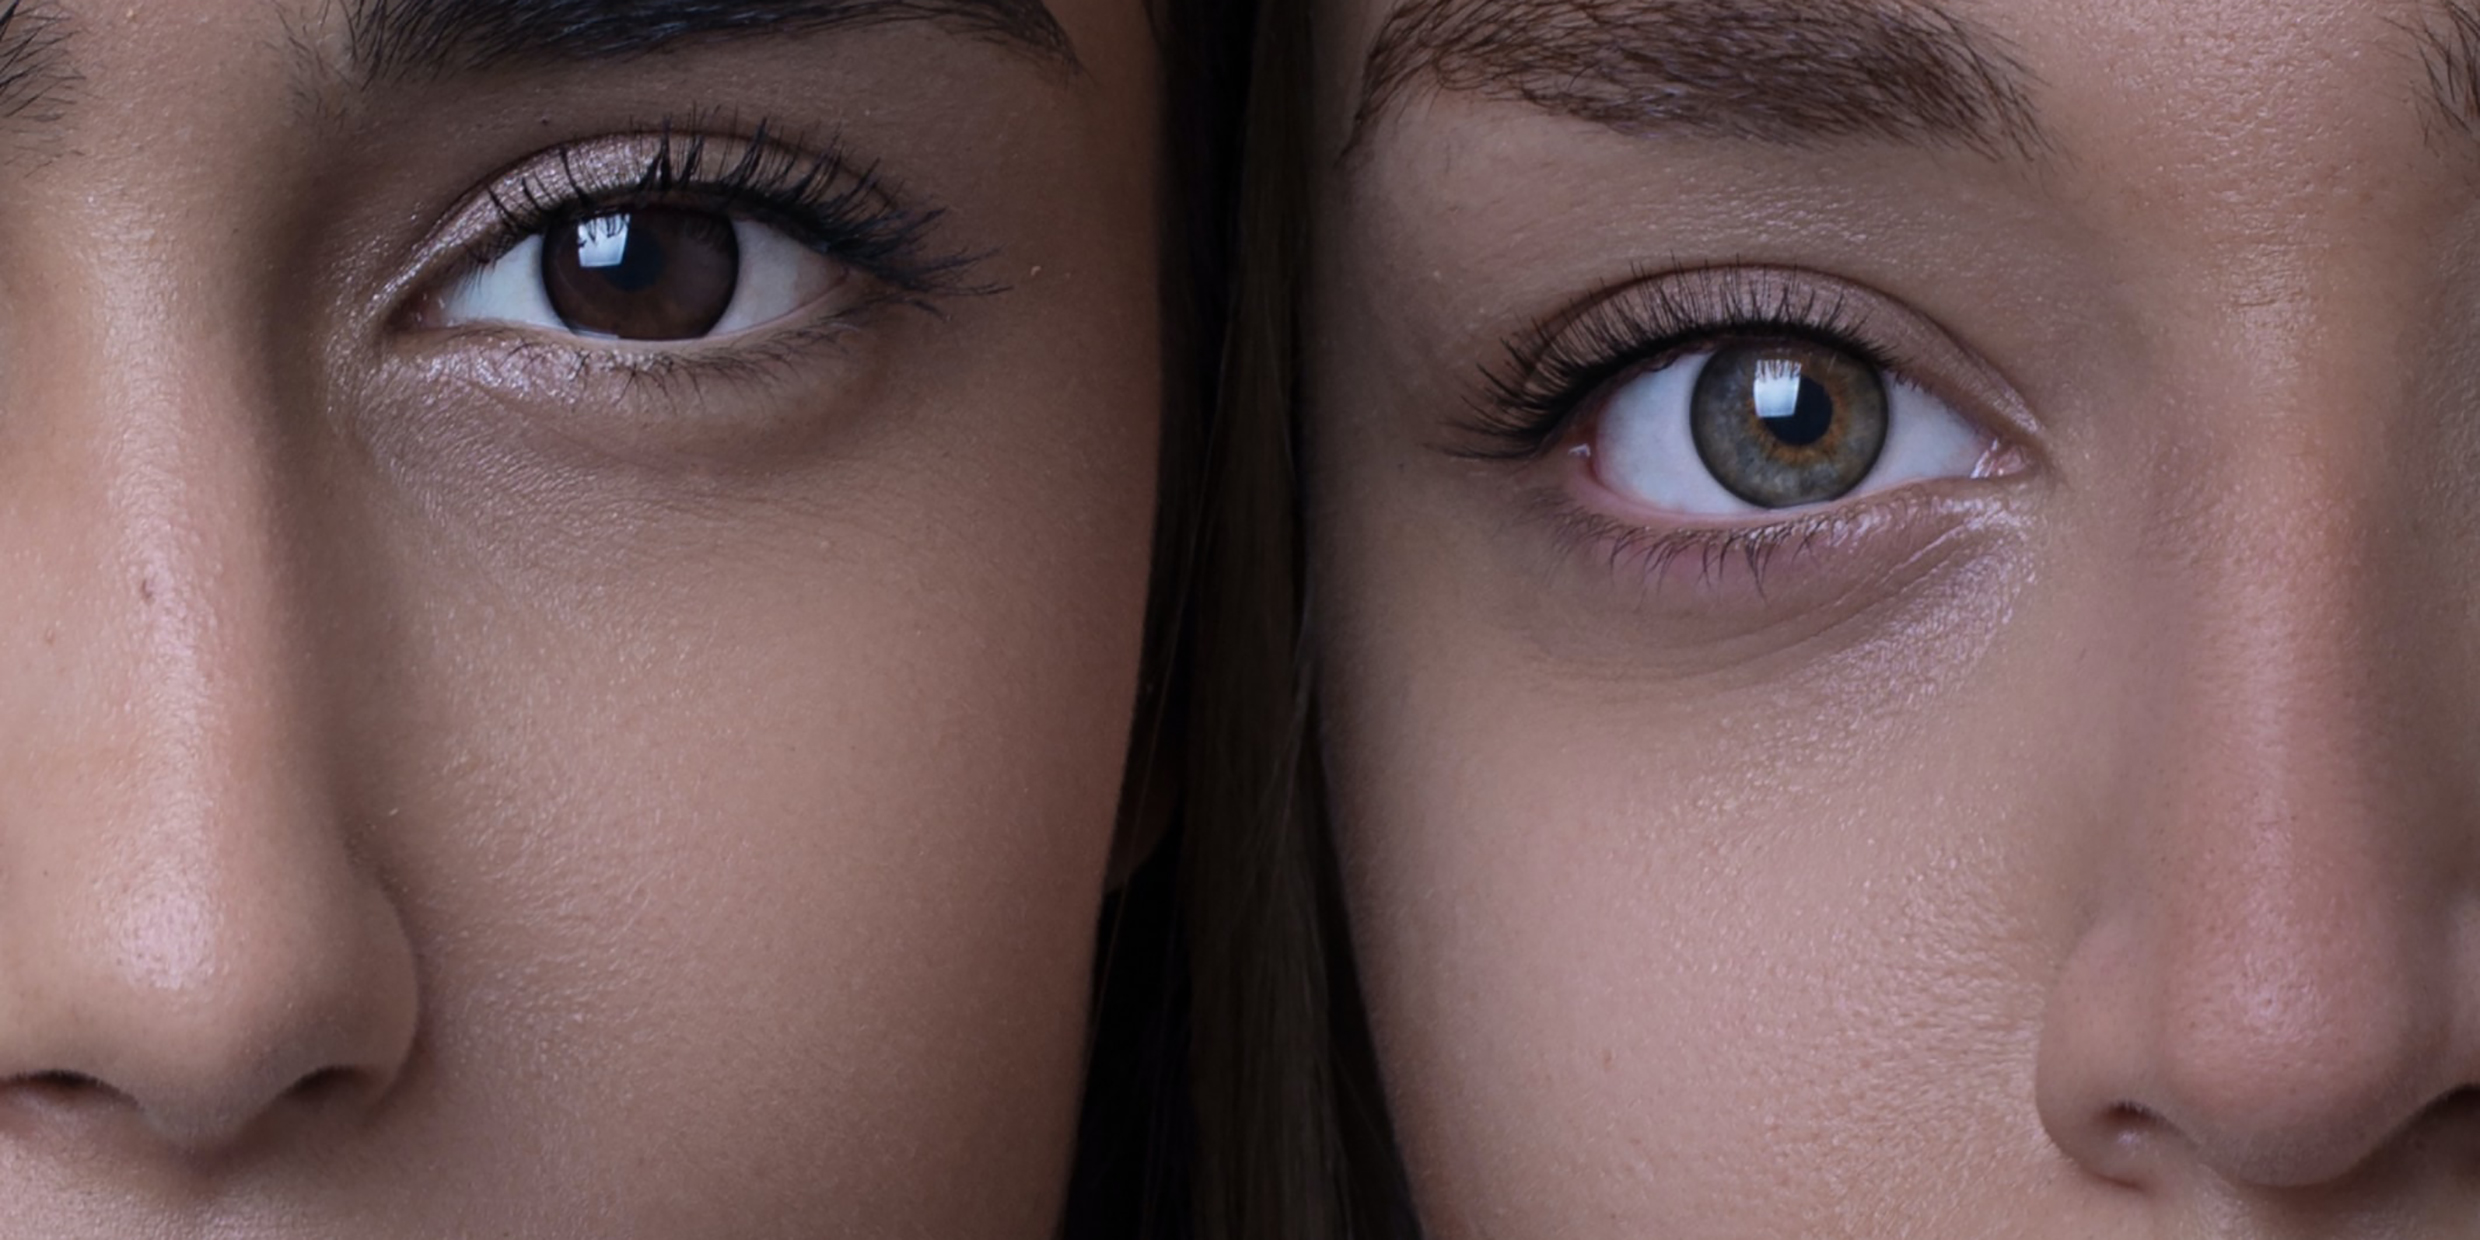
<point>1816,563</point>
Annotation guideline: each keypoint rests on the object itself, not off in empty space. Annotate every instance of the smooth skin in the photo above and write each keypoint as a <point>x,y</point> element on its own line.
<point>2088,849</point>
<point>452,784</point>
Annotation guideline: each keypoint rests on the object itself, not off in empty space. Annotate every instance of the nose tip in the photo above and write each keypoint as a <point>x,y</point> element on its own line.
<point>2302,1087</point>
<point>197,1022</point>
<point>2292,1073</point>
<point>2272,1013</point>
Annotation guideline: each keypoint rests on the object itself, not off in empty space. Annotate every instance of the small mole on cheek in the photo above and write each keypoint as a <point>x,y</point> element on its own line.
<point>146,588</point>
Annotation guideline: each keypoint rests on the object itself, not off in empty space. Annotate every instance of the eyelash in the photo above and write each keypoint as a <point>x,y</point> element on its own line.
<point>1552,371</point>
<point>841,208</point>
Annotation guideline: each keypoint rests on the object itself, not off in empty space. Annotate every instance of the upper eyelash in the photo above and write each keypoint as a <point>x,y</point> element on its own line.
<point>843,209</point>
<point>1548,372</point>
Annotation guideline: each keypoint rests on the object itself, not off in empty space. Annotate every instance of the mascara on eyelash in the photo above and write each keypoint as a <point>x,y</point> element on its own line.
<point>845,210</point>
<point>1550,372</point>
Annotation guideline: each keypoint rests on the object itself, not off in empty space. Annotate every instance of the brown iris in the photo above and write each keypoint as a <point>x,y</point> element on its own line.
<point>1781,423</point>
<point>657,273</point>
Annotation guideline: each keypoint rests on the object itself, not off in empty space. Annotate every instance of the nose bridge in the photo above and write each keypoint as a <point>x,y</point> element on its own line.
<point>2298,674</point>
<point>213,725</point>
<point>186,928</point>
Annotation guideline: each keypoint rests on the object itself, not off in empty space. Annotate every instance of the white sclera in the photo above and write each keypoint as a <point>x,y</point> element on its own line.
<point>1645,448</point>
<point>778,277</point>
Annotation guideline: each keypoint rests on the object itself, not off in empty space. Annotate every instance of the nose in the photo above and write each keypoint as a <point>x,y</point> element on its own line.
<point>193,951</point>
<point>2272,981</point>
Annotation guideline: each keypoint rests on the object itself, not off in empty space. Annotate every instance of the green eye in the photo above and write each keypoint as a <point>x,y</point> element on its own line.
<point>1758,424</point>
<point>1785,423</point>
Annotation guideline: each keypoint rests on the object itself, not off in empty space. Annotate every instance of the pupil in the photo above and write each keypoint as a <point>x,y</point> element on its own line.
<point>1811,415</point>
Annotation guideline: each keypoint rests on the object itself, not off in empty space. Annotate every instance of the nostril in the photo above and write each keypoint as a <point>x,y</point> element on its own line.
<point>61,1094</point>
<point>61,1087</point>
<point>62,1082</point>
<point>324,1085</point>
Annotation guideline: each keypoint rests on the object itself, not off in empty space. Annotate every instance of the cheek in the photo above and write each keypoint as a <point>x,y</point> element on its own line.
<point>771,842</point>
<point>1669,971</point>
<point>1645,955</point>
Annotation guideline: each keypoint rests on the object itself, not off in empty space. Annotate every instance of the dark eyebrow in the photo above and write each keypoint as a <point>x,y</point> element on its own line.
<point>398,39</point>
<point>35,77</point>
<point>1793,72</point>
<point>2448,34</point>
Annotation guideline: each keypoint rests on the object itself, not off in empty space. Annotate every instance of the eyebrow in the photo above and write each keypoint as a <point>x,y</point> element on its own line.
<point>2448,35</point>
<point>1789,72</point>
<point>35,76</point>
<point>402,39</point>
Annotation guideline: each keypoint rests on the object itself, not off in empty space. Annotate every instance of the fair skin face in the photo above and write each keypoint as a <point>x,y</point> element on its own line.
<point>462,776</point>
<point>2071,836</point>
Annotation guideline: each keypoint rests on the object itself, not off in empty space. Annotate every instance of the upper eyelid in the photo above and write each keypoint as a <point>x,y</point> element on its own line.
<point>1903,340</point>
<point>613,167</point>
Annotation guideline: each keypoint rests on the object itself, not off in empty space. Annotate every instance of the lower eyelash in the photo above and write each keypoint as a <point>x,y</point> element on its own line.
<point>670,373</point>
<point>1651,556</point>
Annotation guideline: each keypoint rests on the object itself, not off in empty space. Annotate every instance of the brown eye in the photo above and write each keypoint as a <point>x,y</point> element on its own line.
<point>1780,423</point>
<point>656,273</point>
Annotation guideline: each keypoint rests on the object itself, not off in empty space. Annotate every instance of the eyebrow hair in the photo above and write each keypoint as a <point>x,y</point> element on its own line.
<point>35,76</point>
<point>399,39</point>
<point>2448,35</point>
<point>1790,72</point>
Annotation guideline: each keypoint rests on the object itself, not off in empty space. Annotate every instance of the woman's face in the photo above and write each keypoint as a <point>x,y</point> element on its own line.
<point>575,574</point>
<point>1901,610</point>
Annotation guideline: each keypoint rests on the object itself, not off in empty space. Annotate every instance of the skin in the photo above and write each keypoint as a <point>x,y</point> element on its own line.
<point>2084,851</point>
<point>447,794</point>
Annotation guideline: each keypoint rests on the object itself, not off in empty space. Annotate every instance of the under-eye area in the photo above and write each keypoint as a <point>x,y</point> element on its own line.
<point>1722,426</point>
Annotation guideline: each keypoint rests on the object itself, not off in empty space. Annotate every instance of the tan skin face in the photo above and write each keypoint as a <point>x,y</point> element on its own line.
<point>2077,839</point>
<point>459,777</point>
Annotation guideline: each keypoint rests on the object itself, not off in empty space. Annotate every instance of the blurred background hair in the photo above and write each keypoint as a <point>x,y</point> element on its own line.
<point>1233,1094</point>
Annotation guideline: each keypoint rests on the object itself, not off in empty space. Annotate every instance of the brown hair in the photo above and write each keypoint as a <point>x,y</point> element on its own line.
<point>1292,1136</point>
<point>1232,1094</point>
